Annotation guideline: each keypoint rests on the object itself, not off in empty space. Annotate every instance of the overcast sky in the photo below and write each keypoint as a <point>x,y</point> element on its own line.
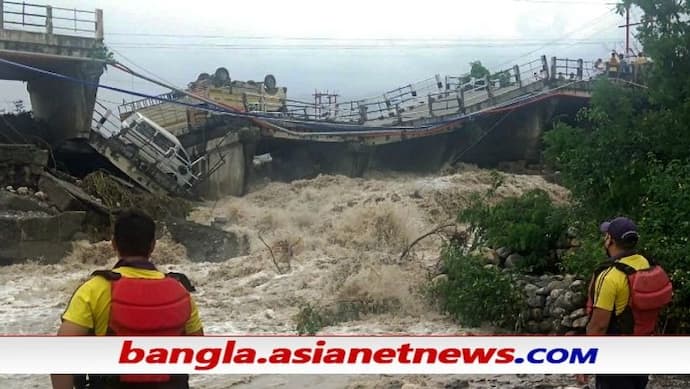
<point>357,48</point>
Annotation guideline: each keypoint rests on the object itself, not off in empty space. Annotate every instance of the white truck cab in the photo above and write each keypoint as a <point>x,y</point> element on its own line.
<point>154,145</point>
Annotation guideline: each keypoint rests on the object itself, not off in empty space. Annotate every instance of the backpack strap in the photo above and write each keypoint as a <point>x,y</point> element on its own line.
<point>182,279</point>
<point>107,274</point>
<point>626,269</point>
<point>114,276</point>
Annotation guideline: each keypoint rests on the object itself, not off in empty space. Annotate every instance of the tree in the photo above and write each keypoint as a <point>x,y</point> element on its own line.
<point>629,154</point>
<point>477,70</point>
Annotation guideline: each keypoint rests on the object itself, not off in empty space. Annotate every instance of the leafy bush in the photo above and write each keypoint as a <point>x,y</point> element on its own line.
<point>530,225</point>
<point>630,154</point>
<point>474,294</point>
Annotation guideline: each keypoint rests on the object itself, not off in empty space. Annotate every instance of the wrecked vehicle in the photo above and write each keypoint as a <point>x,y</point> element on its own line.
<point>150,143</point>
<point>245,96</point>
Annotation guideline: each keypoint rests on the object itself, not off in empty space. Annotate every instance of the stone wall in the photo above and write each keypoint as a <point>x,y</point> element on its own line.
<point>554,304</point>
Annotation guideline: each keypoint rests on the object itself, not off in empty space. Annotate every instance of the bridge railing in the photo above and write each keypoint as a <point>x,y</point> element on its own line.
<point>50,20</point>
<point>567,69</point>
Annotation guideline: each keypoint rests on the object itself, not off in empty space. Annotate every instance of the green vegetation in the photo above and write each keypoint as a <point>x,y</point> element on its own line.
<point>629,154</point>
<point>530,225</point>
<point>115,195</point>
<point>310,318</point>
<point>477,70</point>
<point>475,294</point>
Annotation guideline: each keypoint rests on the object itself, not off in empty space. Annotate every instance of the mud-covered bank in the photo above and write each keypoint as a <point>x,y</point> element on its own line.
<point>342,239</point>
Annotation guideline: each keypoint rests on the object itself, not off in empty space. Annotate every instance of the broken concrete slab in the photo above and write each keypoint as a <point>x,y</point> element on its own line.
<point>38,236</point>
<point>14,202</point>
<point>207,244</point>
<point>67,196</point>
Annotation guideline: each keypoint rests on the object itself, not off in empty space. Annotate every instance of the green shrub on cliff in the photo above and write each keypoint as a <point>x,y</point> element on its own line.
<point>629,154</point>
<point>474,294</point>
<point>530,225</point>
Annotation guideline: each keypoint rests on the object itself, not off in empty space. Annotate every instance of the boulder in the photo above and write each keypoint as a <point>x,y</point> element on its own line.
<point>503,252</point>
<point>531,290</point>
<point>555,284</point>
<point>206,243</point>
<point>581,322</point>
<point>557,312</point>
<point>577,286</point>
<point>535,301</point>
<point>555,294</point>
<point>513,260</point>
<point>578,313</point>
<point>567,321</point>
<point>490,256</point>
<point>535,314</point>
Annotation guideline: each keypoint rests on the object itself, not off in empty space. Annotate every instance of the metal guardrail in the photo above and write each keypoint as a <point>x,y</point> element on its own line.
<point>434,97</point>
<point>51,20</point>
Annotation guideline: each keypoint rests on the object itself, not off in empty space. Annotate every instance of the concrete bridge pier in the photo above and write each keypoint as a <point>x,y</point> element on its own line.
<point>228,162</point>
<point>67,106</point>
<point>59,40</point>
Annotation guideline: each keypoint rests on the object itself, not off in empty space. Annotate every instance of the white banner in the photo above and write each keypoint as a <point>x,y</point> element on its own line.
<point>344,355</point>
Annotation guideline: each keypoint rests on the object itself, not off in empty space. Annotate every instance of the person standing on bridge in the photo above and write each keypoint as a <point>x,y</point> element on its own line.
<point>133,298</point>
<point>616,304</point>
<point>613,65</point>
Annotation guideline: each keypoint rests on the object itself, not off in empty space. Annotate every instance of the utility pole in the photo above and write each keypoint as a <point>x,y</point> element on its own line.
<point>627,26</point>
<point>627,30</point>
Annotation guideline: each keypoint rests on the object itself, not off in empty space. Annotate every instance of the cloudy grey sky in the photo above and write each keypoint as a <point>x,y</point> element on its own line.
<point>357,48</point>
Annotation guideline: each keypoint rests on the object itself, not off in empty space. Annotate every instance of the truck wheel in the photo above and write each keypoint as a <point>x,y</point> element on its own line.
<point>222,76</point>
<point>269,82</point>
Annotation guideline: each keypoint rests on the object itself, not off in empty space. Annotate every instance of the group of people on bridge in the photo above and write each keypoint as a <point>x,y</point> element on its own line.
<point>630,68</point>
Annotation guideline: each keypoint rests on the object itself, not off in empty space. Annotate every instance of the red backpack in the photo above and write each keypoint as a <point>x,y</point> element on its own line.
<point>148,307</point>
<point>650,291</point>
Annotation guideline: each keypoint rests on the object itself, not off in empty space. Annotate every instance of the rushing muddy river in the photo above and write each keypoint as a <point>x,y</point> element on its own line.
<point>341,239</point>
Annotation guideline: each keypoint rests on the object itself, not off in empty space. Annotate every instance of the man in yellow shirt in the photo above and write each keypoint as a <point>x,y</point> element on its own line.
<point>133,298</point>
<point>610,295</point>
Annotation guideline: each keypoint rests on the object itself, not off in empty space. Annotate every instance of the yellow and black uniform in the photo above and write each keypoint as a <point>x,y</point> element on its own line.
<point>611,291</point>
<point>109,303</point>
<point>89,307</point>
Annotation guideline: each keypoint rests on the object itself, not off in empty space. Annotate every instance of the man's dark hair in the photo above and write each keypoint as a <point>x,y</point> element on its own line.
<point>134,233</point>
<point>627,243</point>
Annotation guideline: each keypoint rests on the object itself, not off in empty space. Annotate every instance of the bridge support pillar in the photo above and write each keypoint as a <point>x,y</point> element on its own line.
<point>66,106</point>
<point>230,176</point>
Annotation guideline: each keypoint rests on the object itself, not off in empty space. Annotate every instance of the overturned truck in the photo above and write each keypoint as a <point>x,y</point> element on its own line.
<point>168,145</point>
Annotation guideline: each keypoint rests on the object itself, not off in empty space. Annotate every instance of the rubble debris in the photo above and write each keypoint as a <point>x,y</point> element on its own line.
<point>113,194</point>
<point>12,202</point>
<point>67,196</point>
<point>21,165</point>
